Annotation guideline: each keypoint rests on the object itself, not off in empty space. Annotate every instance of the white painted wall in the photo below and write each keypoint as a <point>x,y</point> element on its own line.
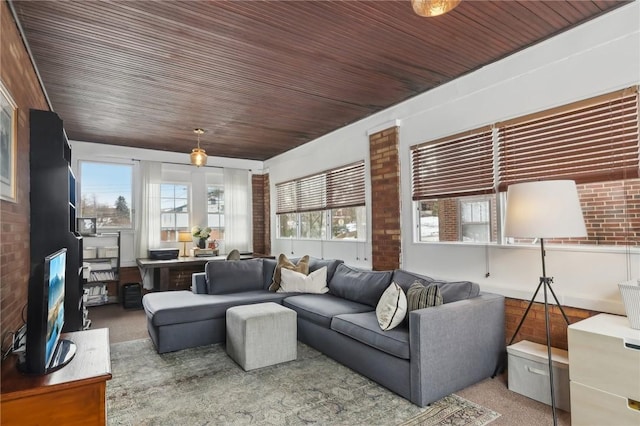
<point>597,57</point>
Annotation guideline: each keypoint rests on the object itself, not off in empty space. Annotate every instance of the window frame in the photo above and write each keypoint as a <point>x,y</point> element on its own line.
<point>175,229</point>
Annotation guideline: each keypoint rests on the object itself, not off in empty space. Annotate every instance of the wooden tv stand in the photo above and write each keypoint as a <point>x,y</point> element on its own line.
<point>73,395</point>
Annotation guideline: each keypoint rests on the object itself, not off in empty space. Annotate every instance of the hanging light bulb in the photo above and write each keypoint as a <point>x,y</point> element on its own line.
<point>429,8</point>
<point>198,155</point>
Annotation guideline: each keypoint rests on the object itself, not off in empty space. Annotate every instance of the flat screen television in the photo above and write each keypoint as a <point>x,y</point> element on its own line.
<point>45,351</point>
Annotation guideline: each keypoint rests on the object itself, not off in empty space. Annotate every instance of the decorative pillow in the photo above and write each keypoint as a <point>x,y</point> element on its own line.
<point>302,266</point>
<point>419,296</point>
<point>392,307</point>
<point>295,282</point>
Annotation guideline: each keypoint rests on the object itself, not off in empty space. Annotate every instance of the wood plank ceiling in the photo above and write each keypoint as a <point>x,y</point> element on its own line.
<point>262,77</point>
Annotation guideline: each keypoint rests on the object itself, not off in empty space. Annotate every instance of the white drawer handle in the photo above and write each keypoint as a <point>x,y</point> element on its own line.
<point>537,371</point>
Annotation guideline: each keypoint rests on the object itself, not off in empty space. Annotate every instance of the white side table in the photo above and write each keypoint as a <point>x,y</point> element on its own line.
<point>604,369</point>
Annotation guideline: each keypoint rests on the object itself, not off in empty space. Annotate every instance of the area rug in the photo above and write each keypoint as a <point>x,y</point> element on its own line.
<point>203,386</point>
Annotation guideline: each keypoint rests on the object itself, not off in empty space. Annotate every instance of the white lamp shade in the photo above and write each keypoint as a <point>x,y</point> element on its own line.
<point>185,236</point>
<point>545,209</point>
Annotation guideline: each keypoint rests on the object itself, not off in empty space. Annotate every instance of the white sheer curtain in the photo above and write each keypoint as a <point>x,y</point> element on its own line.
<point>148,220</point>
<point>237,210</point>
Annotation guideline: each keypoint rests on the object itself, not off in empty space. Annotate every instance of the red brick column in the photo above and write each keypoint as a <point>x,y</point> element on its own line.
<point>261,214</point>
<point>385,199</point>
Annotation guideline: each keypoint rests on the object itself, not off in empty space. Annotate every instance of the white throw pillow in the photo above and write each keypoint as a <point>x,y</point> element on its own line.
<point>296,282</point>
<point>392,307</point>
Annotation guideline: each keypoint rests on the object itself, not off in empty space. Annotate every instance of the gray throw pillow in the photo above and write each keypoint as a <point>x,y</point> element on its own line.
<point>420,297</point>
<point>364,287</point>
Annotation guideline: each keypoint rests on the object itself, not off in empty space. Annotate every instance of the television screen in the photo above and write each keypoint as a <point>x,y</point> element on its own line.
<point>54,278</point>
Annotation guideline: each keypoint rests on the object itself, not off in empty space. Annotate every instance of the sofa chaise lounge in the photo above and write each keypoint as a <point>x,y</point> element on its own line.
<point>435,352</point>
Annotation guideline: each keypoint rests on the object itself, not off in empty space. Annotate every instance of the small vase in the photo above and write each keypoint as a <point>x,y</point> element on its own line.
<point>202,243</point>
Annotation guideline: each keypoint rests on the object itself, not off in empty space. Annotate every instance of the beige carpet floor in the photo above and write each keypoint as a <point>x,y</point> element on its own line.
<point>515,409</point>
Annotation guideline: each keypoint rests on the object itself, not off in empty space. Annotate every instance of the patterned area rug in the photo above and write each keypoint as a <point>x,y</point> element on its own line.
<point>203,386</point>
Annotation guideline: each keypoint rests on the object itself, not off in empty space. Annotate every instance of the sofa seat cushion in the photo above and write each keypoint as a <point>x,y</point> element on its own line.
<point>364,328</point>
<point>321,308</point>
<point>175,307</point>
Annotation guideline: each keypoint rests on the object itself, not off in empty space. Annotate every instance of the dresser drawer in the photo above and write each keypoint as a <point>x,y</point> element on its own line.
<point>604,362</point>
<point>590,406</point>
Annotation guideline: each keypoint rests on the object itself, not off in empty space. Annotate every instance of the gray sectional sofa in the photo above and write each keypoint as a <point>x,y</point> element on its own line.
<point>435,352</point>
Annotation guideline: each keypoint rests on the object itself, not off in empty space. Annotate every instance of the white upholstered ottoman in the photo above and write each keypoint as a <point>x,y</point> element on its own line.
<point>261,334</point>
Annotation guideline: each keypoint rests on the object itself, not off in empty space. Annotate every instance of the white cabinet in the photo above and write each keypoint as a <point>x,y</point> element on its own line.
<point>604,369</point>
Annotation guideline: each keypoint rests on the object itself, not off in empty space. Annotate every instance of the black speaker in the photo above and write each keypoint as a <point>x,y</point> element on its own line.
<point>131,296</point>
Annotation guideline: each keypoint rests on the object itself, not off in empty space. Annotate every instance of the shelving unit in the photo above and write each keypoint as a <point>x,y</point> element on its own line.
<point>101,256</point>
<point>53,208</point>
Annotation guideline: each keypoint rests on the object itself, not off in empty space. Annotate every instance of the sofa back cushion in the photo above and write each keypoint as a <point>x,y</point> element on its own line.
<point>331,264</point>
<point>268,268</point>
<point>359,286</point>
<point>451,291</point>
<point>232,276</point>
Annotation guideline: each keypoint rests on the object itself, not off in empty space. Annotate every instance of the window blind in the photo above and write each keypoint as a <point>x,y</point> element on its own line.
<point>341,187</point>
<point>454,166</point>
<point>345,187</point>
<point>589,141</point>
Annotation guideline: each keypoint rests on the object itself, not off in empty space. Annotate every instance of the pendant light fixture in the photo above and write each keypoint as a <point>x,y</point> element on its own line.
<point>198,155</point>
<point>429,8</point>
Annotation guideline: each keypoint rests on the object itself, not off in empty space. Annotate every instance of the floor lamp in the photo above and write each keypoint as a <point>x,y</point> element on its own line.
<point>545,209</point>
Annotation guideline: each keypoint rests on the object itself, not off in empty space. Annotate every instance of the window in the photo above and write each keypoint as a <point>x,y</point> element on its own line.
<point>215,211</point>
<point>470,219</point>
<point>475,221</point>
<point>459,183</point>
<point>349,223</point>
<point>322,206</point>
<point>105,190</point>
<point>174,207</point>
<point>453,186</point>
<point>594,142</point>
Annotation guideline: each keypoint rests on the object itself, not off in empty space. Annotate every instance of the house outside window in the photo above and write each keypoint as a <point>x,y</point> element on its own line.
<point>174,207</point>
<point>106,194</point>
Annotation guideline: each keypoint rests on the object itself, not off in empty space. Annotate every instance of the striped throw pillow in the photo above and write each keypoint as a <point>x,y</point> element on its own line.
<point>419,296</point>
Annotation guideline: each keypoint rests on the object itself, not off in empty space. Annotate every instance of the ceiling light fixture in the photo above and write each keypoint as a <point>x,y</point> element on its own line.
<point>198,155</point>
<point>429,8</point>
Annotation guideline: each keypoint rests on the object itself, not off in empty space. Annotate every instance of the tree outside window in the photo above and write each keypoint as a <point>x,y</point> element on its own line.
<point>105,190</point>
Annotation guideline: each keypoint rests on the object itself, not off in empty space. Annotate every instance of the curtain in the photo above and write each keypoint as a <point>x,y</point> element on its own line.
<point>148,221</point>
<point>237,210</point>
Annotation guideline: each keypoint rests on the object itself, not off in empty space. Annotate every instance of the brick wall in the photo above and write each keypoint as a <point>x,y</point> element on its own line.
<point>20,80</point>
<point>611,213</point>
<point>448,216</point>
<point>261,214</point>
<point>533,328</point>
<point>385,199</point>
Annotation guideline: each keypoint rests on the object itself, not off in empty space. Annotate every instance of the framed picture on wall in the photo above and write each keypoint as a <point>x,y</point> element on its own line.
<point>87,225</point>
<point>8,145</point>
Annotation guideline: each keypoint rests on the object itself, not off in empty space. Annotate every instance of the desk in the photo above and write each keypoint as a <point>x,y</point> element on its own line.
<point>73,395</point>
<point>160,268</point>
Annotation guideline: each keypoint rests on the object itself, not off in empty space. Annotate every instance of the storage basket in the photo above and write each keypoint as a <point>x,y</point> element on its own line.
<point>89,252</point>
<point>108,251</point>
<point>630,292</point>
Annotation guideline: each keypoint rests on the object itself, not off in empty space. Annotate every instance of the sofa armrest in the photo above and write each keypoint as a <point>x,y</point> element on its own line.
<point>454,345</point>
<point>199,283</point>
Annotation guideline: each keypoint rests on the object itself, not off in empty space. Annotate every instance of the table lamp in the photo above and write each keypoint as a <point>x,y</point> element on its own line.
<point>544,209</point>
<point>184,237</point>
